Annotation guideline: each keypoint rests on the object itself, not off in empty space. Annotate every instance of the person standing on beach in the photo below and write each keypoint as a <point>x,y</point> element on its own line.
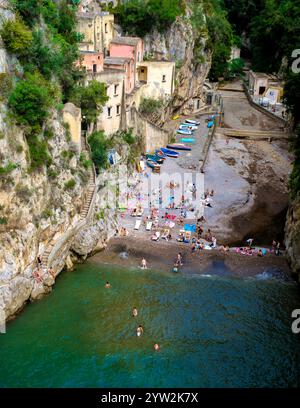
<point>144,264</point>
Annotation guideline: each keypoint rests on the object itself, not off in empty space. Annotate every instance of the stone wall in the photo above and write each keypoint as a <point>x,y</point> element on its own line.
<point>153,136</point>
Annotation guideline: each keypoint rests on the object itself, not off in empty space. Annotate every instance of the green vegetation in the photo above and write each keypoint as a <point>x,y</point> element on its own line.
<point>8,168</point>
<point>23,192</point>
<point>3,220</point>
<point>128,137</point>
<point>139,17</point>
<point>70,184</point>
<point>86,163</point>
<point>150,105</point>
<point>31,99</point>
<point>16,36</point>
<point>235,67</point>
<point>295,175</point>
<point>99,147</point>
<point>90,99</point>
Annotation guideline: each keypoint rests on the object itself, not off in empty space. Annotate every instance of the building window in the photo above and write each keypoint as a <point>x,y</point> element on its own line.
<point>109,112</point>
<point>98,57</point>
<point>94,67</point>
<point>105,27</point>
<point>163,78</point>
<point>116,89</point>
<point>118,109</point>
<point>138,58</point>
<point>98,36</point>
<point>142,70</point>
<point>198,103</point>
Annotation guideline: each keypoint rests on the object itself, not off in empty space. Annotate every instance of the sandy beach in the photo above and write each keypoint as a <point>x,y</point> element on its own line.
<point>129,251</point>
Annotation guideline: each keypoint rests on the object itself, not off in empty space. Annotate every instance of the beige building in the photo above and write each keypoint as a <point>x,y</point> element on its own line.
<point>261,84</point>
<point>97,29</point>
<point>72,116</point>
<point>157,78</point>
<point>112,119</point>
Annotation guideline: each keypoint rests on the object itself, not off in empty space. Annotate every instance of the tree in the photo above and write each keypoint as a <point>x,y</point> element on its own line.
<point>31,99</point>
<point>99,147</point>
<point>90,98</point>
<point>16,36</point>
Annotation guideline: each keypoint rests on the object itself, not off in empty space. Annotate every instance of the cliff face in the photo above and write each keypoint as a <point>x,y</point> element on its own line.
<point>292,236</point>
<point>184,45</point>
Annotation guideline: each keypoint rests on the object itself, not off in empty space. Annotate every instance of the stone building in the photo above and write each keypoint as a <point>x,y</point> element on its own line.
<point>127,66</point>
<point>158,78</point>
<point>97,28</point>
<point>92,61</point>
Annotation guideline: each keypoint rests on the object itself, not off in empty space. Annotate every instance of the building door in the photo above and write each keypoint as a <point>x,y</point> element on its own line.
<point>94,67</point>
<point>262,90</point>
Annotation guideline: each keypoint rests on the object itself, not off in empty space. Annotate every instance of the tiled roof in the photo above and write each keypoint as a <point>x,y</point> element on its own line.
<point>116,60</point>
<point>126,40</point>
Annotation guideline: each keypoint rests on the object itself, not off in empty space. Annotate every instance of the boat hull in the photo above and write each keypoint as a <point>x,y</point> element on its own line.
<point>178,147</point>
<point>169,153</point>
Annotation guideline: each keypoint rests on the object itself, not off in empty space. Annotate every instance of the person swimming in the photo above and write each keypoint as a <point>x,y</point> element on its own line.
<point>134,312</point>
<point>107,285</point>
<point>156,347</point>
<point>139,331</point>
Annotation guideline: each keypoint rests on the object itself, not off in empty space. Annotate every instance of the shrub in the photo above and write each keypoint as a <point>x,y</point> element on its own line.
<point>70,184</point>
<point>150,105</point>
<point>99,147</point>
<point>3,220</point>
<point>31,99</point>
<point>19,149</point>
<point>128,137</point>
<point>139,18</point>
<point>6,85</point>
<point>47,213</point>
<point>16,36</point>
<point>7,169</point>
<point>38,151</point>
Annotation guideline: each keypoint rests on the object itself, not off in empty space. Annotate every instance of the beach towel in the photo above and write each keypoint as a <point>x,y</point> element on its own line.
<point>149,226</point>
<point>137,224</point>
<point>190,227</point>
<point>171,217</point>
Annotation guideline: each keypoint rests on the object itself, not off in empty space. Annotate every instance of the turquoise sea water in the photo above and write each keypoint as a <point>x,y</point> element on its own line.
<point>213,331</point>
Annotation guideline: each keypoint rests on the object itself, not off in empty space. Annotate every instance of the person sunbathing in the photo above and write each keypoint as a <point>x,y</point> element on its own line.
<point>37,276</point>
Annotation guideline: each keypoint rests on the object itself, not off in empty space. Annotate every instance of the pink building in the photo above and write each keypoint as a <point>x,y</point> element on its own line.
<point>124,64</point>
<point>128,47</point>
<point>93,61</point>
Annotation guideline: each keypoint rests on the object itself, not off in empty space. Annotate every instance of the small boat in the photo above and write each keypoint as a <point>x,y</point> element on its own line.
<point>188,140</point>
<point>185,132</point>
<point>153,165</point>
<point>210,124</point>
<point>188,126</point>
<point>192,122</point>
<point>178,146</point>
<point>159,153</point>
<point>155,158</point>
<point>169,153</point>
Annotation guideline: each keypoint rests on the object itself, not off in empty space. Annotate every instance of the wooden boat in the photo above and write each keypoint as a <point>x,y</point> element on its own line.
<point>187,140</point>
<point>192,122</point>
<point>178,146</point>
<point>153,165</point>
<point>184,132</point>
<point>169,153</point>
<point>155,158</point>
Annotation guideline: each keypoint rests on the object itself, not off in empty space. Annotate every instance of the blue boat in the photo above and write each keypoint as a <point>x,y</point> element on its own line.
<point>210,124</point>
<point>178,146</point>
<point>159,153</point>
<point>169,152</point>
<point>188,140</point>
<point>185,132</point>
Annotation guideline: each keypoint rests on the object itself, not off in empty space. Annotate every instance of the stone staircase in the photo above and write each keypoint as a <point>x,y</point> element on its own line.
<point>91,185</point>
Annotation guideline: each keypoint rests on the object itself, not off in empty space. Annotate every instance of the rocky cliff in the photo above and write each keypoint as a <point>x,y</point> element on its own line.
<point>292,236</point>
<point>185,45</point>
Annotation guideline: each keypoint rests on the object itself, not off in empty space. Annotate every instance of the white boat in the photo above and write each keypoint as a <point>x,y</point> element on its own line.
<point>192,122</point>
